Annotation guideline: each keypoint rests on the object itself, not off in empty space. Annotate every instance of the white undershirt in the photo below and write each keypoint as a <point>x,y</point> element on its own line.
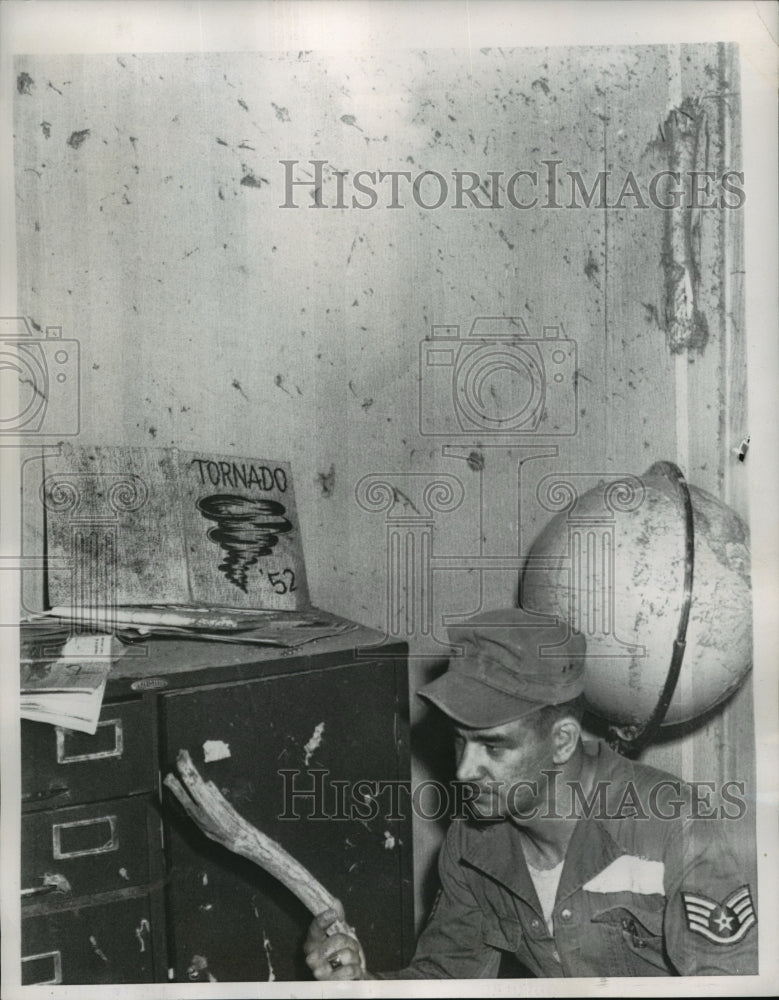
<point>546,881</point>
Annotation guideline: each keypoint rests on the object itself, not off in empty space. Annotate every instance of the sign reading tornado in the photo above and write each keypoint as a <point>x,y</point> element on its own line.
<point>246,530</point>
<point>241,529</point>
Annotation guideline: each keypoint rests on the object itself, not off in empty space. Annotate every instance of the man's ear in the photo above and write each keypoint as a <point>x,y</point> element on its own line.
<point>566,733</point>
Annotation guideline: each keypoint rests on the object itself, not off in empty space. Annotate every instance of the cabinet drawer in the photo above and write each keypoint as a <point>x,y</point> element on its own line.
<point>64,767</point>
<point>86,849</point>
<point>106,943</point>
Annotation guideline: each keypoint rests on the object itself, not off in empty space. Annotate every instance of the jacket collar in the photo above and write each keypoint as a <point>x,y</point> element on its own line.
<point>497,852</point>
<point>496,848</point>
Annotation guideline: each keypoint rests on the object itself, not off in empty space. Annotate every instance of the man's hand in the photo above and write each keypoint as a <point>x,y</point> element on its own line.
<point>335,955</point>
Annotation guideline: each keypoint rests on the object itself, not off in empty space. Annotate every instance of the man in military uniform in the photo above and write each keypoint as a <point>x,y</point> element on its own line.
<point>574,860</point>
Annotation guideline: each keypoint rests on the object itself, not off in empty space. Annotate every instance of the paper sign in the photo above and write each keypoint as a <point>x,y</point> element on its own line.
<point>138,526</point>
<point>242,534</point>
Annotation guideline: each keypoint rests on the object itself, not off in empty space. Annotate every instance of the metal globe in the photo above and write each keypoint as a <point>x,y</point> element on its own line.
<point>612,564</point>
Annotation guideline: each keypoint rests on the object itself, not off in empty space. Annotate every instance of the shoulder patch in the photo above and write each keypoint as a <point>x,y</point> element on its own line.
<point>723,923</point>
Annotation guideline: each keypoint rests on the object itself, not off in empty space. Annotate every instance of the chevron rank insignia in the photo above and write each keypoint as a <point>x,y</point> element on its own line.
<point>723,923</point>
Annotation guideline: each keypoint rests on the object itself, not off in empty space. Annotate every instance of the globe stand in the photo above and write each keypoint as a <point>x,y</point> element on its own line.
<point>632,739</point>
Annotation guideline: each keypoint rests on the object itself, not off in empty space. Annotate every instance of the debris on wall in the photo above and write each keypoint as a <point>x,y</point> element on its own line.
<point>59,881</point>
<point>684,136</point>
<point>77,138</point>
<point>250,179</point>
<point>96,949</point>
<point>476,461</point>
<point>198,971</point>
<point>140,930</point>
<point>267,946</point>
<point>215,750</point>
<point>315,741</point>
<point>24,83</point>
<point>326,481</point>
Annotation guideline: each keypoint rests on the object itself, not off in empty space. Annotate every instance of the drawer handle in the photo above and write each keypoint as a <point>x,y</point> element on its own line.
<point>38,890</point>
<point>116,751</point>
<point>56,958</point>
<point>112,844</point>
<point>50,883</point>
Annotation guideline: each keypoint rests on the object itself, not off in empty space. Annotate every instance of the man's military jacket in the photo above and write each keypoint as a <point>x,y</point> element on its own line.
<point>651,885</point>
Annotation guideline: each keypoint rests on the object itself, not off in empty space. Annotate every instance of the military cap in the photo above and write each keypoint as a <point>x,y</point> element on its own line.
<point>505,665</point>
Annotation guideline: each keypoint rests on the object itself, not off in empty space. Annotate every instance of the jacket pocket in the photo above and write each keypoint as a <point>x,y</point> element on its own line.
<point>503,933</point>
<point>634,932</point>
<point>501,937</point>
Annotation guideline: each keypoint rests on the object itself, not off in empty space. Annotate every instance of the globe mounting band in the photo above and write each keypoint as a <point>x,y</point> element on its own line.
<point>631,740</point>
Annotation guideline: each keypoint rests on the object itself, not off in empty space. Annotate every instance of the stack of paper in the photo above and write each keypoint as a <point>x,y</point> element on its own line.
<point>158,617</point>
<point>265,627</point>
<point>69,691</point>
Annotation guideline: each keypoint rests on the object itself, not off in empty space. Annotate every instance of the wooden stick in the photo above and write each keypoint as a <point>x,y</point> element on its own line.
<point>205,804</point>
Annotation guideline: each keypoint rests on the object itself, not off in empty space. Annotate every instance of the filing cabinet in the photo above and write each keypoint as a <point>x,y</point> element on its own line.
<point>92,853</point>
<point>118,886</point>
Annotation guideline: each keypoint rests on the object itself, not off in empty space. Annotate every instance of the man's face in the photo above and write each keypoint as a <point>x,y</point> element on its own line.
<point>505,764</point>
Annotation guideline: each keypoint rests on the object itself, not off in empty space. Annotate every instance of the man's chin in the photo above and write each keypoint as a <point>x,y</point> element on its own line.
<point>487,807</point>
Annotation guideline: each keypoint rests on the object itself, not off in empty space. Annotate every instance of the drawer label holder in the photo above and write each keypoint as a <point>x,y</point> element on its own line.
<point>104,847</point>
<point>116,751</point>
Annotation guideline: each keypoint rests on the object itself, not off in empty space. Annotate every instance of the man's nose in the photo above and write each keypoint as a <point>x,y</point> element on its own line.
<point>469,767</point>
